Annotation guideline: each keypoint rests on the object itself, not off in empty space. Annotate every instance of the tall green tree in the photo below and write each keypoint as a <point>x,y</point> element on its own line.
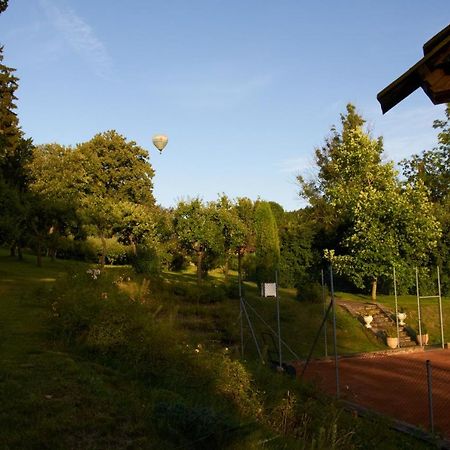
<point>3,5</point>
<point>116,171</point>
<point>198,232</point>
<point>374,214</point>
<point>10,132</point>
<point>107,180</point>
<point>432,168</point>
<point>267,243</point>
<point>233,229</point>
<point>296,232</point>
<point>15,153</point>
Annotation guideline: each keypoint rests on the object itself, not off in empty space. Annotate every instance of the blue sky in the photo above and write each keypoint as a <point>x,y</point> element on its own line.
<point>245,89</point>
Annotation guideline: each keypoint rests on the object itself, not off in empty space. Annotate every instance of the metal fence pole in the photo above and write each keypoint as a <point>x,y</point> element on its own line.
<point>418,307</point>
<point>440,307</point>
<point>241,309</point>
<point>333,302</point>
<point>278,318</point>
<point>324,312</point>
<point>396,308</point>
<point>253,332</point>
<point>430,395</point>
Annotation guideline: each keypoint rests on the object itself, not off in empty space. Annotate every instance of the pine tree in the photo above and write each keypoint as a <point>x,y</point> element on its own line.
<point>10,132</point>
<point>267,243</point>
<point>3,5</point>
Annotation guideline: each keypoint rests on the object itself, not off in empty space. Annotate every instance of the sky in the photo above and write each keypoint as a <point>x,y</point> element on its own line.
<point>244,89</point>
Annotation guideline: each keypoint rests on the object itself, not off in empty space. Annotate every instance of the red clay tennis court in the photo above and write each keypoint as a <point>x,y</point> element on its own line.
<point>394,384</point>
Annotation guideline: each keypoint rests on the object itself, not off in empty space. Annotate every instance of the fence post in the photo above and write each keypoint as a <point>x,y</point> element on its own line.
<point>241,312</point>
<point>430,395</point>
<point>324,301</point>
<point>333,303</point>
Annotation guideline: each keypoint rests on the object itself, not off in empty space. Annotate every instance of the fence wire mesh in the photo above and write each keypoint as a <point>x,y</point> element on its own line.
<point>396,385</point>
<point>440,388</point>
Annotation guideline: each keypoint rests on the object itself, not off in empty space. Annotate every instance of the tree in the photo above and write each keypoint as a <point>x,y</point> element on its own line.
<point>10,132</point>
<point>432,168</point>
<point>3,5</point>
<point>198,231</point>
<point>232,227</point>
<point>392,227</point>
<point>267,243</point>
<point>296,233</point>
<point>107,180</point>
<point>15,152</point>
<point>381,223</point>
<point>116,171</point>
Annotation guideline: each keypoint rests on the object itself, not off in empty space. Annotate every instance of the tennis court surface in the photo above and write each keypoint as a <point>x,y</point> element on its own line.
<point>394,384</point>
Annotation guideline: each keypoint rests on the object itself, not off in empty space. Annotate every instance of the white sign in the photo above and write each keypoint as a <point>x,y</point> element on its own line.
<point>269,290</point>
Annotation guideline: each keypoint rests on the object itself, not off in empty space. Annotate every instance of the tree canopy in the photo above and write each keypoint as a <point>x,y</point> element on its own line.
<point>382,222</point>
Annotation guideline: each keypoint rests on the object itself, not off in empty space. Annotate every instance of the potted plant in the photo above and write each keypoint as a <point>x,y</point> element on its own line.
<point>391,336</point>
<point>402,316</point>
<point>422,339</point>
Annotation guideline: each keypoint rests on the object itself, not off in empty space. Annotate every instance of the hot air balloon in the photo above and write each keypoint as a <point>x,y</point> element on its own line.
<point>160,141</point>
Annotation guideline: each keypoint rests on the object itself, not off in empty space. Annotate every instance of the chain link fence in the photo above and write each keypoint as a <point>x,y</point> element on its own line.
<point>412,388</point>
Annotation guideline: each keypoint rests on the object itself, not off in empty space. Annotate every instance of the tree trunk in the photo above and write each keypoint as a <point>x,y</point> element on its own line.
<point>239,261</point>
<point>103,255</point>
<point>133,246</point>
<point>374,290</point>
<point>226,267</point>
<point>199,266</point>
<point>38,255</point>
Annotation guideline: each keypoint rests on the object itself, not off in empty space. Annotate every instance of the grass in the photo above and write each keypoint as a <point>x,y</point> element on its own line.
<point>429,312</point>
<point>300,321</point>
<point>51,398</point>
<point>55,396</point>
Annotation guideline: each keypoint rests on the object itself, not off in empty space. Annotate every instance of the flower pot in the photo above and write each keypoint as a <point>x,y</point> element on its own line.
<point>392,342</point>
<point>402,317</point>
<point>368,320</point>
<point>422,339</point>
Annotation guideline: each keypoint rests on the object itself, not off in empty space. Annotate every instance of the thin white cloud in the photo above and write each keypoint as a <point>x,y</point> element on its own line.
<point>80,36</point>
<point>209,90</point>
<point>408,131</point>
<point>302,165</point>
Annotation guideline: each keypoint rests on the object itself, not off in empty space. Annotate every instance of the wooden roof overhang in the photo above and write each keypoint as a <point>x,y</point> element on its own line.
<point>431,73</point>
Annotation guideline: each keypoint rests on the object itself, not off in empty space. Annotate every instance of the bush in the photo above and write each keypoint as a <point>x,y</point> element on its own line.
<point>90,249</point>
<point>186,424</point>
<point>146,261</point>
<point>178,263</point>
<point>311,292</point>
<point>205,293</point>
<point>232,289</point>
<point>235,383</point>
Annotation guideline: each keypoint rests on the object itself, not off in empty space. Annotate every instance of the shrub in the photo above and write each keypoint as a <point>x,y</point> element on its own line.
<point>232,289</point>
<point>311,292</point>
<point>235,383</point>
<point>146,261</point>
<point>205,293</point>
<point>187,424</point>
<point>90,249</point>
<point>178,262</point>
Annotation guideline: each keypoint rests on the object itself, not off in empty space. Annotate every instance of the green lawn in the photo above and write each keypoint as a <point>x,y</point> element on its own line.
<point>300,322</point>
<point>55,397</point>
<point>429,312</point>
<point>50,398</point>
